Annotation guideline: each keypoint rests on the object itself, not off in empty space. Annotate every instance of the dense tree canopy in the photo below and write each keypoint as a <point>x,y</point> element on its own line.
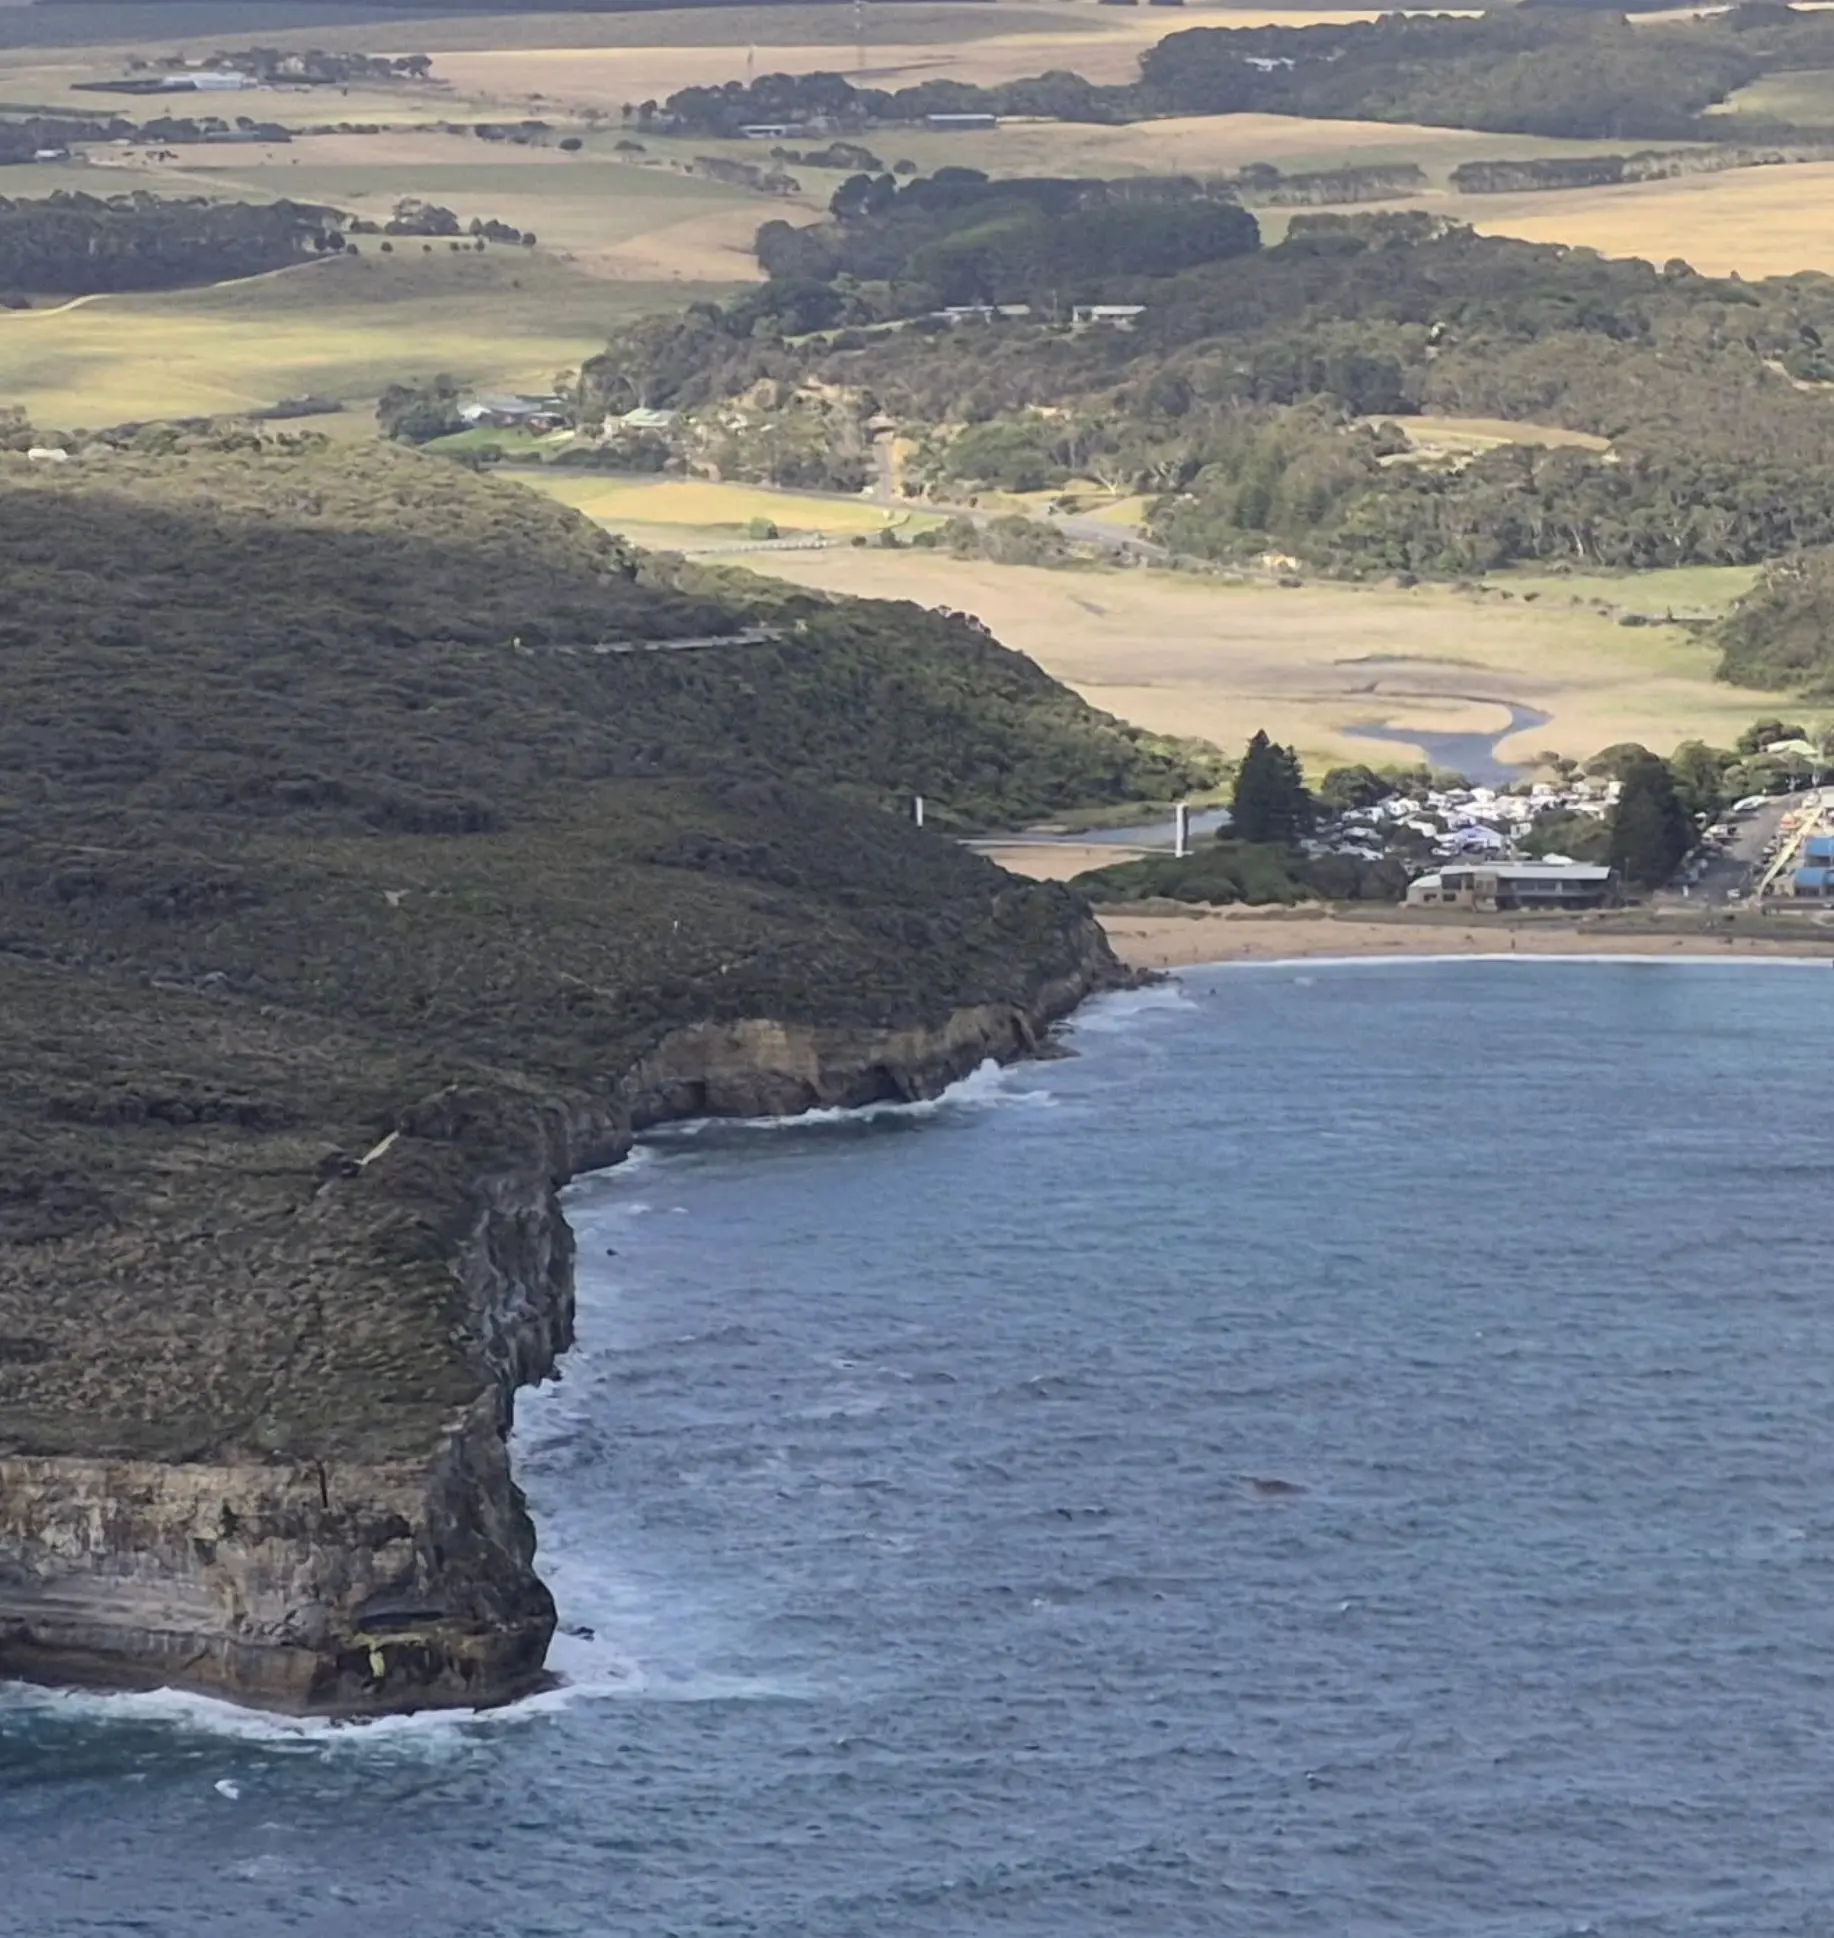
<point>1651,832</point>
<point>958,238</point>
<point>1570,72</point>
<point>1270,803</point>
<point>76,245</point>
<point>1263,402</point>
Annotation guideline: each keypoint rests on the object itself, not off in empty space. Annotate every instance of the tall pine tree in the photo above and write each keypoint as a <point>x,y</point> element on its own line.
<point>1651,831</point>
<point>1270,803</point>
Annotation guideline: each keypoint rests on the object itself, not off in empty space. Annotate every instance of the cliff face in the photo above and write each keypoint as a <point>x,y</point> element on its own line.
<point>351,1585</point>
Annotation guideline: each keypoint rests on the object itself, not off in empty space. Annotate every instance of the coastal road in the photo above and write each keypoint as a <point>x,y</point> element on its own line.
<point>1736,870</point>
<point>600,648</point>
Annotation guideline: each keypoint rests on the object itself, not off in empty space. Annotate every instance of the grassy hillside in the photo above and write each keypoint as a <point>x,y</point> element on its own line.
<point>344,328</point>
<point>295,836</point>
<point>365,620</point>
<point>1782,633</point>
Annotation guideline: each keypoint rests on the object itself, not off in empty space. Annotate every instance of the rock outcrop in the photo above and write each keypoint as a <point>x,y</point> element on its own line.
<point>348,1585</point>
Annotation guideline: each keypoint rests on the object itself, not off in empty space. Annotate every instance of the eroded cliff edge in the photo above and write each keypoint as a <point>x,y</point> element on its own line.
<point>363,875</point>
<point>334,1582</point>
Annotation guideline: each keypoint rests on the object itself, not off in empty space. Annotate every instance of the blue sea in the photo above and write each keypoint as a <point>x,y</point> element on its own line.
<point>1349,1452</point>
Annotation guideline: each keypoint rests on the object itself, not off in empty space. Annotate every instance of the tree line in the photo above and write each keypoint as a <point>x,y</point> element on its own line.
<point>1569,72</point>
<point>958,238</point>
<point>1264,401</point>
<point>77,245</point>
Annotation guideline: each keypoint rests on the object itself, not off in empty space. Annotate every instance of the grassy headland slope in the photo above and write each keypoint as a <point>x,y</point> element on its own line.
<point>356,803</point>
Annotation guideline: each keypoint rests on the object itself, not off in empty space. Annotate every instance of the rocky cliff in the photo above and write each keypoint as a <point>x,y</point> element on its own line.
<point>360,882</point>
<point>346,1585</point>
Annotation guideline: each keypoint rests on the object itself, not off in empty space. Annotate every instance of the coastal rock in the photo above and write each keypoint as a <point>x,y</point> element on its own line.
<point>348,1585</point>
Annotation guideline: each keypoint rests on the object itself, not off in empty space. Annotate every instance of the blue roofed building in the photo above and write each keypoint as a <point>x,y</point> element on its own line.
<point>1814,883</point>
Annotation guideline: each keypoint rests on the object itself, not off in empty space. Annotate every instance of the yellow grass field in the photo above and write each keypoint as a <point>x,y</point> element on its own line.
<point>38,79</point>
<point>692,513</point>
<point>604,60</point>
<point>344,328</point>
<point>1444,436</point>
<point>1804,99</point>
<point>1206,144</point>
<point>600,214</point>
<point>509,60</point>
<point>1196,656</point>
<point>1758,221</point>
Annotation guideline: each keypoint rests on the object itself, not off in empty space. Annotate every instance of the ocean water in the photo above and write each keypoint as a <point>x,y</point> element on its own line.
<point>1347,1453</point>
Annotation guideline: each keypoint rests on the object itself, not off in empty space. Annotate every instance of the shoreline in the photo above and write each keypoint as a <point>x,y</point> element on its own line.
<point>1151,939</point>
<point>148,1605</point>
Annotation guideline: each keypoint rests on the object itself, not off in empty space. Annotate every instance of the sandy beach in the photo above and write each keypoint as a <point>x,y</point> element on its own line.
<point>1173,941</point>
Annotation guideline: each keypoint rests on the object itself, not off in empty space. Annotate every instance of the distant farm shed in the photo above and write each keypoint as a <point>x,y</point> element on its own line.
<point>206,81</point>
<point>514,413</point>
<point>1121,316</point>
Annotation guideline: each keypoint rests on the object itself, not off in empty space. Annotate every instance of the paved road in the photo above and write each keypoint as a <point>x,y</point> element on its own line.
<point>599,648</point>
<point>1738,868</point>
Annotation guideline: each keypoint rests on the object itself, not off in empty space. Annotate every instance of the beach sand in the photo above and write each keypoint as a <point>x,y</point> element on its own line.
<point>1172,941</point>
<point>1059,861</point>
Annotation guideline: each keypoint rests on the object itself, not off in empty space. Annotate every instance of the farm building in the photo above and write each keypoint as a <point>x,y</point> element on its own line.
<point>207,81</point>
<point>514,413</point>
<point>1813,880</point>
<point>982,313</point>
<point>1120,315</point>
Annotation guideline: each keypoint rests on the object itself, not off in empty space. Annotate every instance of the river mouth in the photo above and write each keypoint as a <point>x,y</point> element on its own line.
<point>1472,754</point>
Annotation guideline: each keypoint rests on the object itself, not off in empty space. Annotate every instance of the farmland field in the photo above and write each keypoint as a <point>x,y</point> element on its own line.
<point>1758,221</point>
<point>1805,99</point>
<point>1198,144</point>
<point>344,328</point>
<point>695,515</point>
<point>1199,656</point>
<point>604,58</point>
<point>1442,436</point>
<point>605,216</point>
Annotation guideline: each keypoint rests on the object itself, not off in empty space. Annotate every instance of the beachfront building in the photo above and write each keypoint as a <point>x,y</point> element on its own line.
<point>1501,886</point>
<point>1813,881</point>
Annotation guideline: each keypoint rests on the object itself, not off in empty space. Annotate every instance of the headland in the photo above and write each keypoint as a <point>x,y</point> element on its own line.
<point>377,861</point>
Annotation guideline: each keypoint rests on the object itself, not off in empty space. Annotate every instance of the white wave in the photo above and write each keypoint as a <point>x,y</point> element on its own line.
<point>987,1085</point>
<point>187,1714</point>
<point>1111,1014</point>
